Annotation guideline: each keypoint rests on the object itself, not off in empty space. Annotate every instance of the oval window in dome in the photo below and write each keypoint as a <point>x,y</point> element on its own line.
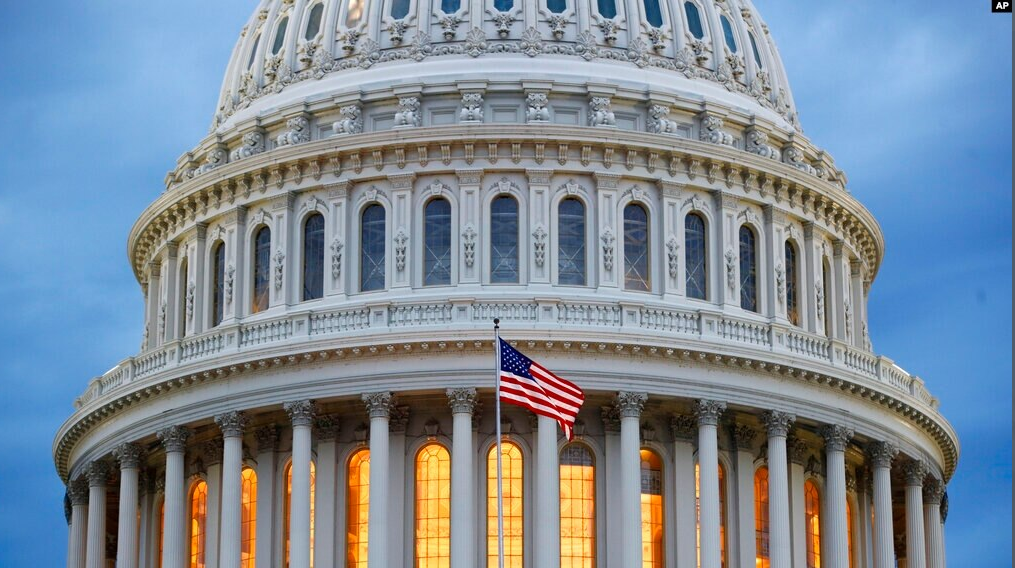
<point>279,35</point>
<point>450,6</point>
<point>754,48</point>
<point>693,20</point>
<point>503,5</point>
<point>607,8</point>
<point>253,52</point>
<point>399,9</point>
<point>653,13</point>
<point>556,6</point>
<point>354,13</point>
<point>314,21</point>
<point>727,32</point>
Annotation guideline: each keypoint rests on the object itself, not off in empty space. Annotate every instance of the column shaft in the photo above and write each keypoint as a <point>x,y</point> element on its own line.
<point>916,546</point>
<point>747,549</point>
<point>379,407</point>
<point>630,479</point>
<point>174,536</point>
<point>78,525</point>
<point>881,456</point>
<point>299,508</point>
<point>547,484</point>
<point>836,438</point>
<point>710,551</point>
<point>932,530</point>
<point>683,470</point>
<point>779,528</point>
<point>463,511</point>
<point>95,549</point>
<point>267,444</point>
<point>232,513</point>
<point>127,531</point>
<point>324,493</point>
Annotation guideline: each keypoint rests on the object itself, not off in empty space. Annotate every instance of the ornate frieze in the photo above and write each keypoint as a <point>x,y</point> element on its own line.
<point>408,114</point>
<point>658,123</point>
<point>472,107</point>
<point>297,132</point>
<point>351,121</point>
<point>601,112</point>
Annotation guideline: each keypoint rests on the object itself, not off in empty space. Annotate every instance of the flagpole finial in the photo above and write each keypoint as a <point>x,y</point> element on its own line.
<point>496,323</point>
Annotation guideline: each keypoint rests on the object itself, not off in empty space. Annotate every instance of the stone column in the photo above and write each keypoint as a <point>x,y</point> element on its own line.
<point>916,548</point>
<point>836,437</point>
<point>683,429</point>
<point>629,406</point>
<point>707,412</point>
<point>146,487</point>
<point>881,455</point>
<point>932,493</point>
<point>129,456</point>
<point>95,547</point>
<point>379,406</point>
<point>267,444</point>
<point>211,453</point>
<point>301,413</point>
<point>779,528</point>
<point>743,440</point>
<point>174,535</point>
<point>232,425</point>
<point>463,510</point>
<point>797,450</point>
<point>78,490</point>
<point>327,429</point>
<point>547,540</point>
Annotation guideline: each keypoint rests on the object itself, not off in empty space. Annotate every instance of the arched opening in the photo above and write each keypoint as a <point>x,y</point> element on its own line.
<point>313,257</point>
<point>653,526</point>
<point>357,508</point>
<point>198,522</point>
<point>727,33</point>
<point>437,243</point>
<point>314,21</point>
<point>372,248</point>
<point>792,284</point>
<point>218,284</point>
<point>636,248</point>
<point>694,20</point>
<point>695,257</point>
<point>512,482</point>
<point>248,517</point>
<point>577,507</point>
<point>504,240</point>
<point>433,507</point>
<point>761,520</point>
<point>748,269</point>
<point>812,521</point>
<point>571,242</point>
<point>262,270</point>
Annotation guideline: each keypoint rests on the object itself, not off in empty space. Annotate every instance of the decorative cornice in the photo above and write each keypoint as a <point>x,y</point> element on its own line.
<point>881,454</point>
<point>683,427</point>
<point>232,423</point>
<point>777,423</point>
<point>174,438</point>
<point>836,437</point>
<point>743,437</point>
<point>129,455</point>
<point>379,404</point>
<point>461,400</point>
<point>708,411</point>
<point>915,471</point>
<point>301,412</point>
<point>630,404</point>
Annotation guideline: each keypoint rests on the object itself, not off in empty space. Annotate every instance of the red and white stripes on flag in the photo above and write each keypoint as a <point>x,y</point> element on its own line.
<point>525,383</point>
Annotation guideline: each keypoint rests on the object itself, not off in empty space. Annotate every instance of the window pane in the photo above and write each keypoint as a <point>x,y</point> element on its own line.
<point>504,240</point>
<point>399,9</point>
<point>652,525</point>
<point>607,8</point>
<point>198,523</point>
<point>511,481</point>
<point>354,13</point>
<point>437,243</point>
<point>695,258</point>
<point>313,257</point>
<point>577,507</point>
<point>653,13</point>
<point>556,6</point>
<point>314,21</point>
<point>503,5</point>
<point>761,522</point>
<point>262,269</point>
<point>253,52</point>
<point>218,285</point>
<point>571,242</point>
<point>693,20</point>
<point>754,48</point>
<point>372,249</point>
<point>792,302</point>
<point>636,276</point>
<point>812,515</point>
<point>433,507</point>
<point>280,36</point>
<point>727,32</point>
<point>358,509</point>
<point>748,270</point>
<point>450,6</point>
<point>248,518</point>
<point>849,533</point>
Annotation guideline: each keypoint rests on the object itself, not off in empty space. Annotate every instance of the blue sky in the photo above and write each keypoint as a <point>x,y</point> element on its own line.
<point>98,99</point>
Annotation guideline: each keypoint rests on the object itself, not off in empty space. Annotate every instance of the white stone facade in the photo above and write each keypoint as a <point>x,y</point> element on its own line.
<point>543,102</point>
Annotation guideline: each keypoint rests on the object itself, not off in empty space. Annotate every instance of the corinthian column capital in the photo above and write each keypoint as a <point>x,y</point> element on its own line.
<point>881,454</point>
<point>129,455</point>
<point>379,404</point>
<point>78,491</point>
<point>174,438</point>
<point>462,400</point>
<point>630,404</point>
<point>708,411</point>
<point>301,412</point>
<point>933,491</point>
<point>915,471</point>
<point>836,437</point>
<point>232,423</point>
<point>777,423</point>
<point>98,473</point>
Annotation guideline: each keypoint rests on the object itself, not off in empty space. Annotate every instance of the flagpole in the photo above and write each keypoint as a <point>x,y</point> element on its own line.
<point>500,486</point>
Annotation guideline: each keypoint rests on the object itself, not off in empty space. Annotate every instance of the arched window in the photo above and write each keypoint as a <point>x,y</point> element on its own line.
<point>372,248</point>
<point>722,512</point>
<point>653,13</point>
<point>314,21</point>
<point>695,257</point>
<point>761,521</point>
<point>198,523</point>
<point>357,509</point>
<point>450,6</point>
<point>792,285</point>
<point>826,295</point>
<point>262,270</point>
<point>754,48</point>
<point>849,533</point>
<point>253,52</point>
<point>512,478</point>
<point>727,33</point>
<point>571,242</point>
<point>748,269</point>
<point>248,517</point>
<point>652,521</point>
<point>354,13</point>
<point>503,5</point>
<point>636,266</point>
<point>433,506</point>
<point>577,507</point>
<point>181,318</point>
<point>218,284</point>
<point>288,509</point>
<point>437,243</point>
<point>693,20</point>
<point>313,257</point>
<point>279,35</point>
<point>607,8</point>
<point>399,8</point>
<point>556,6</point>
<point>812,516</point>
<point>504,240</point>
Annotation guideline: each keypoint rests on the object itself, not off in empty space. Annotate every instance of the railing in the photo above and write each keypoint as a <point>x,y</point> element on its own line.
<point>710,328</point>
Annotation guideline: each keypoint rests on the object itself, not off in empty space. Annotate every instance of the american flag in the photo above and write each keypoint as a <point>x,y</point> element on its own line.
<point>528,384</point>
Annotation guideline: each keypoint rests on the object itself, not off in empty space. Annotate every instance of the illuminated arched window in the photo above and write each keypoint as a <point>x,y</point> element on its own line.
<point>276,46</point>
<point>812,516</point>
<point>288,508</point>
<point>437,243</point>
<point>722,512</point>
<point>433,507</point>
<point>727,33</point>
<point>695,257</point>
<point>511,475</point>
<point>354,13</point>
<point>826,300</point>
<point>357,509</point>
<point>218,284</point>
<point>181,321</point>
<point>577,507</point>
<point>652,520</point>
<point>504,240</point>
<point>248,517</point>
<point>748,269</point>
<point>849,533</point>
<point>162,531</point>
<point>694,20</point>
<point>262,269</point>
<point>372,249</point>
<point>571,242</point>
<point>636,249</point>
<point>198,523</point>
<point>314,21</point>
<point>313,257</point>
<point>761,521</point>
<point>792,284</point>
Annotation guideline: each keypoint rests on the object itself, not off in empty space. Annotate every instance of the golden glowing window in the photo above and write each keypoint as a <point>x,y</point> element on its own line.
<point>652,528</point>
<point>433,507</point>
<point>357,509</point>
<point>722,513</point>
<point>761,521</point>
<point>511,474</point>
<point>812,516</point>
<point>288,508</point>
<point>849,532</point>
<point>198,522</point>
<point>577,507</point>
<point>162,531</point>
<point>248,517</point>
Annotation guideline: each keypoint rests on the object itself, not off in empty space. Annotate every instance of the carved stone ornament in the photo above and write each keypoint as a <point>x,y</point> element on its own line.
<point>351,121</point>
<point>267,438</point>
<point>231,423</point>
<point>396,30</point>
<point>401,246</point>
<point>253,144</point>
<point>933,492</point>
<point>730,259</point>
<point>336,258</point>
<point>98,473</point>
<point>848,307</point>
<point>174,438</point>
<point>836,437</point>
<point>708,411</point>
<point>297,132</point>
<point>780,283</point>
<point>279,259</point>
<point>915,471</point>
<point>536,110</point>
<point>795,157</point>
<point>379,404</point>
<point>609,29</point>
<point>191,288</point>
<point>711,131</point>
<point>558,24</point>
<point>797,450</point>
<point>630,404</point>
<point>601,112</point>
<point>503,21</point>
<point>539,244</point>
<point>230,278</point>
<point>757,143</point>
<point>215,158</point>
<point>301,412</point>
<point>162,319</point>
<point>610,418</point>
<point>819,294</point>
<point>657,121</point>
<point>77,490</point>
<point>129,455</point>
<point>472,107</point>
<point>327,427</point>
<point>469,245</point>
<point>607,240</point>
<point>408,114</point>
<point>462,400</point>
<point>777,423</point>
<point>211,453</point>
<point>683,427</point>
<point>673,256</point>
<point>450,26</point>
<point>743,437</point>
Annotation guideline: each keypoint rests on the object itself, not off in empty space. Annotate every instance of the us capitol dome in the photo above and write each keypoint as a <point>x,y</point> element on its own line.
<point>626,186</point>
